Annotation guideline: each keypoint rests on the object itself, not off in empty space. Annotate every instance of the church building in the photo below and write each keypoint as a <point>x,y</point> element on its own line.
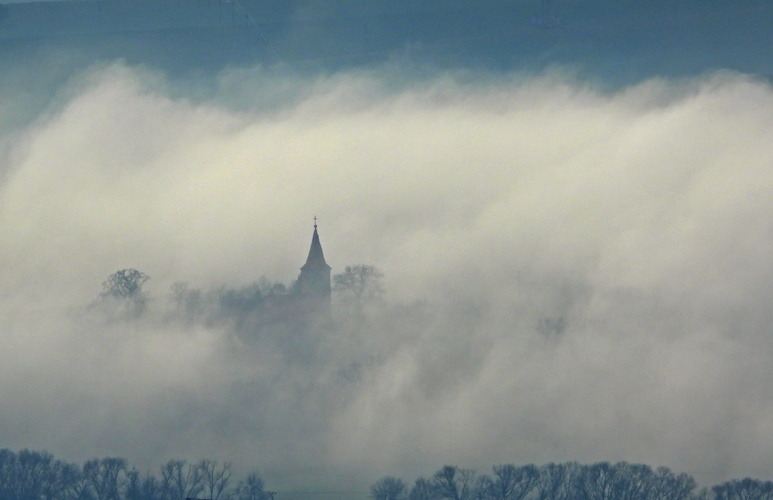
<point>313,286</point>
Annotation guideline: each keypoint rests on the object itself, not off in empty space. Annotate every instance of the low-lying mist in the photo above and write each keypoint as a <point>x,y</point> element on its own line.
<point>571,274</point>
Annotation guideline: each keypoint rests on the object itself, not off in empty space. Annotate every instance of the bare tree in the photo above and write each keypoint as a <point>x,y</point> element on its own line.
<point>73,485</point>
<point>181,480</point>
<point>251,488</point>
<point>133,485</point>
<point>27,474</point>
<point>632,481</point>
<point>122,292</point>
<point>453,483</point>
<point>30,473</point>
<point>55,482</point>
<point>126,283</point>
<point>423,489</point>
<point>388,488</point>
<point>142,487</point>
<point>558,481</point>
<point>359,283</point>
<point>511,482</point>
<point>598,482</point>
<point>744,489</point>
<point>7,460</point>
<point>670,486</point>
<point>215,479</point>
<point>106,477</point>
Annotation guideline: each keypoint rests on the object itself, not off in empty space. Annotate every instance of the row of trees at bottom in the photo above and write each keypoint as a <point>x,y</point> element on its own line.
<point>35,475</point>
<point>566,481</point>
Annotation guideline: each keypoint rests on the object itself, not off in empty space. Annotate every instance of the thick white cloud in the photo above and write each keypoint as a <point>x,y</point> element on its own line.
<point>641,219</point>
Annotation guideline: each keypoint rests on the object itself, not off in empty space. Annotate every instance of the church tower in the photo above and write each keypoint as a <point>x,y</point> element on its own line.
<point>314,280</point>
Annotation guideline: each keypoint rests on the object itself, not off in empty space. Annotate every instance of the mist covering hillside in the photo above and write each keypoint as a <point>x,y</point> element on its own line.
<point>574,227</point>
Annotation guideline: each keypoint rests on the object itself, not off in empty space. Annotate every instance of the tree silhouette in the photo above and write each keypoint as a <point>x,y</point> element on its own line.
<point>744,489</point>
<point>388,488</point>
<point>558,481</point>
<point>423,489</point>
<point>215,478</point>
<point>124,284</point>
<point>34,475</point>
<point>181,480</point>
<point>511,482</point>
<point>453,483</point>
<point>106,477</point>
<point>122,293</point>
<point>251,488</point>
<point>359,283</point>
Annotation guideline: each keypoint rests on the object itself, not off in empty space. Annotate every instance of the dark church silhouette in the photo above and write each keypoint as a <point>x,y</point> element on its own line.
<point>304,307</point>
<point>313,285</point>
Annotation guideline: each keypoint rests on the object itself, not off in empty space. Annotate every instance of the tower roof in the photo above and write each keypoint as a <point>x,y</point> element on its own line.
<point>316,259</point>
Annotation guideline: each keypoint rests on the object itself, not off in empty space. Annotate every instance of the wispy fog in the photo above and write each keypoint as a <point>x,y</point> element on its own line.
<point>572,274</point>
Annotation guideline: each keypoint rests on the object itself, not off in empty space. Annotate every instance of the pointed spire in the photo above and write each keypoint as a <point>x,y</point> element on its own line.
<point>316,259</point>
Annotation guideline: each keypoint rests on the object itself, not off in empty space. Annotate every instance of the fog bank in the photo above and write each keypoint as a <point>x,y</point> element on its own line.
<point>572,274</point>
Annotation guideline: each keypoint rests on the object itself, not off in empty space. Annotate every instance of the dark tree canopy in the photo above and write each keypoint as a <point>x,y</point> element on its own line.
<point>510,482</point>
<point>388,488</point>
<point>744,489</point>
<point>126,283</point>
<point>37,475</point>
<point>105,477</point>
<point>573,481</point>
<point>34,475</point>
<point>252,488</point>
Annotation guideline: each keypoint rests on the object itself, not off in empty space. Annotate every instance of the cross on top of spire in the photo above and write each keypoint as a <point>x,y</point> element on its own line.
<point>315,222</point>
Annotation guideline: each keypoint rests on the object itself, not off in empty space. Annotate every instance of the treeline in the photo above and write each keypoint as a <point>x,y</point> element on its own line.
<point>37,475</point>
<point>123,297</point>
<point>250,306</point>
<point>566,481</point>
